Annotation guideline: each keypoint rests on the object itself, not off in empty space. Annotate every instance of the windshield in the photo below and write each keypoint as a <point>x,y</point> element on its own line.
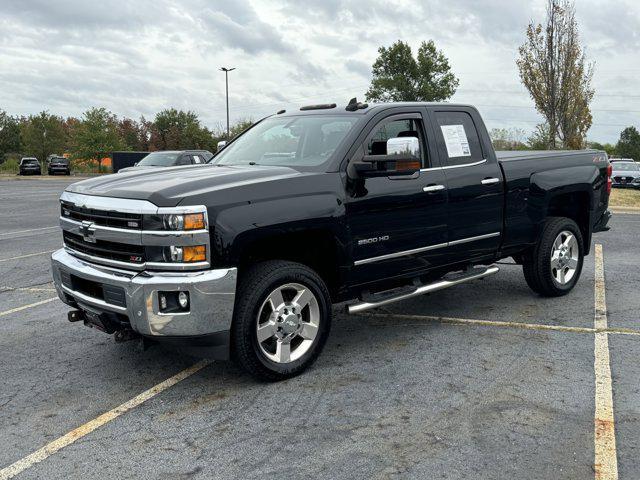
<point>289,141</point>
<point>59,160</point>
<point>159,159</point>
<point>625,167</point>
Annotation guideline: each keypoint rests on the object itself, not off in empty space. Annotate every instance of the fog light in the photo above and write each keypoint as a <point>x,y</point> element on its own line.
<point>163,301</point>
<point>173,302</point>
<point>183,299</point>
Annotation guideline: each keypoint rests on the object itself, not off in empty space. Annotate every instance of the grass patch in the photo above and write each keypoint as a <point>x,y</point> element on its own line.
<point>624,197</point>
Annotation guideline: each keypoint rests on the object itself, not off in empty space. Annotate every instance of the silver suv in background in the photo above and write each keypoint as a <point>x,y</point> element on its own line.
<point>626,173</point>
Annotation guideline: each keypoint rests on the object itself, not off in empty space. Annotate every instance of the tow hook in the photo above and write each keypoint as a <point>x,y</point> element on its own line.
<point>75,316</point>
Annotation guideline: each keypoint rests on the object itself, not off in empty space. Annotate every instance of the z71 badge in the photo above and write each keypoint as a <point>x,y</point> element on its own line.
<point>369,241</point>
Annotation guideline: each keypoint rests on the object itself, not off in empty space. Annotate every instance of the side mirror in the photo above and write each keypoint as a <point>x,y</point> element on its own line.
<point>221,145</point>
<point>135,164</point>
<point>402,159</point>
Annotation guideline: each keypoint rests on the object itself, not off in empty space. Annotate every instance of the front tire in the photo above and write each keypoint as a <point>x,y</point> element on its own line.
<point>282,319</point>
<point>554,265</point>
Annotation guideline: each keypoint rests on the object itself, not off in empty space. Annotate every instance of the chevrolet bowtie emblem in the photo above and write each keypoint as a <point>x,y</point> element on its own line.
<point>88,232</point>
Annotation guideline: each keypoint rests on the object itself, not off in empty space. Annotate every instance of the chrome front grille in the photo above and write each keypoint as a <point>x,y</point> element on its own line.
<point>126,233</point>
<point>120,252</point>
<point>106,218</point>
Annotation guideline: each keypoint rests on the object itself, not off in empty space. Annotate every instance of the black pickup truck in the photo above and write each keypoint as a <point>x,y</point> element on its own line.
<point>367,205</point>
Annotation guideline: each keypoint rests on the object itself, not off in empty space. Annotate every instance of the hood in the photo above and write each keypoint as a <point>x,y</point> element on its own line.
<point>167,187</point>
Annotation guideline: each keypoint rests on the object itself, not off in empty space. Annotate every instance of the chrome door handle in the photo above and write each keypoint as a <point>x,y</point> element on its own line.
<point>433,188</point>
<point>490,181</point>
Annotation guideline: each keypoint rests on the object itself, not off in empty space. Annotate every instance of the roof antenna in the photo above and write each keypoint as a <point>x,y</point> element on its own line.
<point>354,105</point>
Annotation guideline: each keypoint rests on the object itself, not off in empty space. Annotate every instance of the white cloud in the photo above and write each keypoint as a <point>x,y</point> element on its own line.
<point>136,58</point>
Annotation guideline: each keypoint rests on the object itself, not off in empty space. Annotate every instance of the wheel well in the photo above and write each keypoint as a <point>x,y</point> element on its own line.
<point>317,249</point>
<point>574,205</point>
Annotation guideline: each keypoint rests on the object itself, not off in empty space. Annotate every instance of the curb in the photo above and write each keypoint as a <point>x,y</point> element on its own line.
<point>628,210</point>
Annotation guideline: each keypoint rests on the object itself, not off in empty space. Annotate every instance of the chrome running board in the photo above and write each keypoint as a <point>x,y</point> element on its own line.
<point>472,274</point>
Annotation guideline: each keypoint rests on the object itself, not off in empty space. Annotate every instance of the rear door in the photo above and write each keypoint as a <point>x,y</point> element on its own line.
<point>474,180</point>
<point>398,225</point>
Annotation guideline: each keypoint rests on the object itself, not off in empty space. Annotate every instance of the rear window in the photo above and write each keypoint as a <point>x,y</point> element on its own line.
<point>458,140</point>
<point>30,161</point>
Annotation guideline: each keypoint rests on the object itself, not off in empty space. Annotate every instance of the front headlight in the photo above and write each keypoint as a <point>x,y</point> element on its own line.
<point>188,221</point>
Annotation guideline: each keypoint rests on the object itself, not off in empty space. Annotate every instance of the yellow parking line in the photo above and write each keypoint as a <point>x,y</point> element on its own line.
<point>83,430</point>
<point>24,307</point>
<point>606,462</point>
<point>25,256</point>
<point>28,230</point>
<point>26,289</point>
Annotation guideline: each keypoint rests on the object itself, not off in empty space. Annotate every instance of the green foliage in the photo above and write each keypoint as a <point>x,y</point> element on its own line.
<point>553,68</point>
<point>399,77</point>
<point>629,144</point>
<point>96,136</point>
<point>607,147</point>
<point>177,130</point>
<point>9,134</point>
<point>10,165</point>
<point>43,135</point>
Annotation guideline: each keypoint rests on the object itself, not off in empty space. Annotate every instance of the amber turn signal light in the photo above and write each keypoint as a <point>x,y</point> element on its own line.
<point>197,253</point>
<point>194,221</point>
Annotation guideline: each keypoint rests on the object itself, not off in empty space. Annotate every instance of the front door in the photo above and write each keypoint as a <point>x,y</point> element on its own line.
<point>398,225</point>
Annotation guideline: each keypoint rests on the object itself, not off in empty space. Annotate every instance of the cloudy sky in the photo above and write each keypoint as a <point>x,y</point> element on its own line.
<point>137,57</point>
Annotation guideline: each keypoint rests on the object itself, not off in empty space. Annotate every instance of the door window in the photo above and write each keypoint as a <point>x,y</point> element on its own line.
<point>458,140</point>
<point>410,127</point>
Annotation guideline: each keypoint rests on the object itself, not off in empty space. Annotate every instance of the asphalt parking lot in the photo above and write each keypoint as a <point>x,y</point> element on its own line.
<point>484,380</point>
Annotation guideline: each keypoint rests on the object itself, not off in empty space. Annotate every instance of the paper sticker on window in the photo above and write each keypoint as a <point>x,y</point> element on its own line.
<point>456,140</point>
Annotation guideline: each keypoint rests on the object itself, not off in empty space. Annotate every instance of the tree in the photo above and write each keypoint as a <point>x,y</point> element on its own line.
<point>176,130</point>
<point>554,70</point>
<point>9,135</point>
<point>129,133</point>
<point>43,135</point>
<point>399,77</point>
<point>96,135</point>
<point>508,139</point>
<point>629,144</point>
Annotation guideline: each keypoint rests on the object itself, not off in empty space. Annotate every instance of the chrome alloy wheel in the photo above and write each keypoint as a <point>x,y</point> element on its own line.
<point>288,323</point>
<point>564,257</point>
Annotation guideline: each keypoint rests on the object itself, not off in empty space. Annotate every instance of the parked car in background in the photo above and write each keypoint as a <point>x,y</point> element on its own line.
<point>29,166</point>
<point>626,174</point>
<point>57,164</point>
<point>171,158</point>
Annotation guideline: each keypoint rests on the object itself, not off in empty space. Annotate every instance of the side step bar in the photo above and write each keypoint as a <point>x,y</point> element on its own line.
<point>472,274</point>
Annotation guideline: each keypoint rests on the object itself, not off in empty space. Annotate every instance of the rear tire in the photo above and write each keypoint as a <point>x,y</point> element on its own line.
<point>554,265</point>
<point>281,320</point>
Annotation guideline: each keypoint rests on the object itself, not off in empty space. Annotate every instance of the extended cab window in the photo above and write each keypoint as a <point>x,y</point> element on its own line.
<point>410,127</point>
<point>458,140</point>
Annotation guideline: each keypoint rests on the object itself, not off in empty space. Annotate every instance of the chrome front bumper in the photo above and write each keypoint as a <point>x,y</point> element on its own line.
<point>211,292</point>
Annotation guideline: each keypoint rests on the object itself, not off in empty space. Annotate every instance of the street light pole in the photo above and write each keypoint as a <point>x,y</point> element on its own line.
<point>226,77</point>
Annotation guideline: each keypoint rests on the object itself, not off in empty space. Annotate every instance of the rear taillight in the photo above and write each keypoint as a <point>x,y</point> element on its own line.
<point>609,182</point>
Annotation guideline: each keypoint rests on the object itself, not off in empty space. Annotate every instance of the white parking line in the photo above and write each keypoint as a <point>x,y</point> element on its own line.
<point>606,462</point>
<point>83,430</point>
<point>26,289</point>
<point>24,307</point>
<point>25,256</point>
<point>498,323</point>
<point>29,230</point>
